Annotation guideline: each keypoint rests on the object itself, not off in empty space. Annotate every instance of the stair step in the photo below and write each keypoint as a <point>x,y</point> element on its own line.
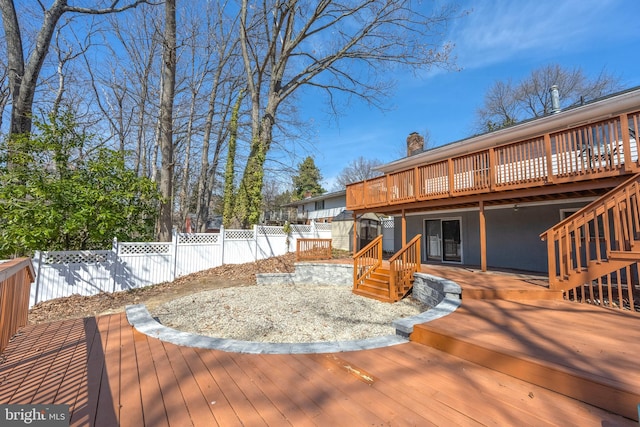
<point>376,296</point>
<point>379,277</point>
<point>375,287</point>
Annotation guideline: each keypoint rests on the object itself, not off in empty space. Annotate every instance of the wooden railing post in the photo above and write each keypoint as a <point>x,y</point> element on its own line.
<point>416,183</point>
<point>450,173</point>
<point>492,167</point>
<point>365,198</point>
<point>629,165</point>
<point>549,156</point>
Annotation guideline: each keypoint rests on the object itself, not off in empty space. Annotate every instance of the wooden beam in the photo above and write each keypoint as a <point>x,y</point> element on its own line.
<point>355,232</point>
<point>483,238</point>
<point>404,229</point>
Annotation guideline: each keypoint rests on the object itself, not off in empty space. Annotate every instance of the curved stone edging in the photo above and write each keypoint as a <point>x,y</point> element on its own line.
<point>140,318</point>
<point>443,295</point>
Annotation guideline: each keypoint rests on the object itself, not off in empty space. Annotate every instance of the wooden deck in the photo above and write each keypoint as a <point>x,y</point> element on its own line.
<point>111,374</point>
<point>477,284</point>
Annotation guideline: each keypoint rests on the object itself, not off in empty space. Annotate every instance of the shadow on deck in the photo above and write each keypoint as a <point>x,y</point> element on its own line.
<point>110,374</point>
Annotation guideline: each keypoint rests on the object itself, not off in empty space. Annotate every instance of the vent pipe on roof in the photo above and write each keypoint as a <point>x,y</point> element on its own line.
<point>555,99</point>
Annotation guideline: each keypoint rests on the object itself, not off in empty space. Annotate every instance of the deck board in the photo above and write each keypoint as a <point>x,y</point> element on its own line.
<point>220,406</point>
<point>171,397</point>
<point>111,374</point>
<point>195,402</point>
<point>131,410</point>
<point>242,406</point>
<point>409,384</point>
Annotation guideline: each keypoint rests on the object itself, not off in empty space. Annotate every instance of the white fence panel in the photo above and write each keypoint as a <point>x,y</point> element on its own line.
<point>271,241</point>
<point>134,265</point>
<point>197,252</point>
<point>388,244</point>
<point>239,246</point>
<point>72,272</point>
<point>143,264</point>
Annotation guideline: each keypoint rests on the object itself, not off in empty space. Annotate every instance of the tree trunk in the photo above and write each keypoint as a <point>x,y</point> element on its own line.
<point>166,119</point>
<point>249,200</point>
<point>23,79</point>
<point>229,196</point>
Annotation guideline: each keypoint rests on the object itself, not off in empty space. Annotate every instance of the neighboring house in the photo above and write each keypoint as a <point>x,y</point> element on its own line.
<point>486,200</point>
<point>330,208</point>
<point>322,208</point>
<point>213,224</point>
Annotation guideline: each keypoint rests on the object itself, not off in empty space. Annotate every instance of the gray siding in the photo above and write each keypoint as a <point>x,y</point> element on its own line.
<point>513,237</point>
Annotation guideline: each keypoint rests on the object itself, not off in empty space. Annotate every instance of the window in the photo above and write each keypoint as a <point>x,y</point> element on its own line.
<point>319,205</point>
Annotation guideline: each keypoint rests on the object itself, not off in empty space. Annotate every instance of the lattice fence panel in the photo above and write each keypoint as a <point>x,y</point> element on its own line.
<point>323,226</point>
<point>300,229</point>
<point>198,239</point>
<point>388,224</point>
<point>144,248</point>
<point>270,230</point>
<point>76,257</point>
<point>238,234</point>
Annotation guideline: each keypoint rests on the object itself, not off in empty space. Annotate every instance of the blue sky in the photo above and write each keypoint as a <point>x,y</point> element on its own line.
<point>498,40</point>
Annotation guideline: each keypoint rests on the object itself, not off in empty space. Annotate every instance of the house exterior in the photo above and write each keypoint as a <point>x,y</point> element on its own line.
<point>322,208</point>
<point>486,200</point>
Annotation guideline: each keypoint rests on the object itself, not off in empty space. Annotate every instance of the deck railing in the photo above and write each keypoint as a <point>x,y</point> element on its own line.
<point>598,150</point>
<point>15,284</point>
<point>402,266</point>
<point>313,249</point>
<point>594,255</point>
<point>366,261</point>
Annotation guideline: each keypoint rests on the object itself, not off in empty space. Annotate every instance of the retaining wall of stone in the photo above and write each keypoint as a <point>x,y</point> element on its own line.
<point>311,273</point>
<point>432,290</point>
<point>443,296</point>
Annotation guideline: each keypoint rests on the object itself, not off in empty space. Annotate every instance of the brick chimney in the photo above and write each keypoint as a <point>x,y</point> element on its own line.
<point>415,144</point>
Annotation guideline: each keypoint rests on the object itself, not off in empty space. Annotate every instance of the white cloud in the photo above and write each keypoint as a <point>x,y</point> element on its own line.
<point>504,30</point>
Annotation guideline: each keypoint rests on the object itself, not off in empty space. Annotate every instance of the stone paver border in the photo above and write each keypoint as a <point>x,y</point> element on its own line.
<point>447,297</point>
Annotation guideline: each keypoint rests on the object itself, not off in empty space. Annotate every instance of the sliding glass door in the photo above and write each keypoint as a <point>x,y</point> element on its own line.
<point>443,242</point>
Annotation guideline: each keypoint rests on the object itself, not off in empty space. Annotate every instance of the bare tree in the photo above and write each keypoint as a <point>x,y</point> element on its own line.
<point>336,47</point>
<point>166,121</point>
<point>358,170</point>
<point>23,75</point>
<point>507,103</point>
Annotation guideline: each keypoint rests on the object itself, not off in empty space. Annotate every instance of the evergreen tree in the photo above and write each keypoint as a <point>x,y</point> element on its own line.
<point>307,181</point>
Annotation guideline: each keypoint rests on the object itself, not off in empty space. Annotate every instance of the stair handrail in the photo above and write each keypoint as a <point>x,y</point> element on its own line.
<point>402,265</point>
<point>366,261</point>
<point>581,248</point>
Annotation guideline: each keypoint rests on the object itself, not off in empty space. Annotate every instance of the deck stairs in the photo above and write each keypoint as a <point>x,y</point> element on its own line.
<point>375,285</point>
<point>594,255</point>
<point>585,352</point>
<point>387,281</point>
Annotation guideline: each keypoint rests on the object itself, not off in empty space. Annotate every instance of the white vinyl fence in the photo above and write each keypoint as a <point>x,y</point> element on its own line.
<point>388,228</point>
<point>135,265</point>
